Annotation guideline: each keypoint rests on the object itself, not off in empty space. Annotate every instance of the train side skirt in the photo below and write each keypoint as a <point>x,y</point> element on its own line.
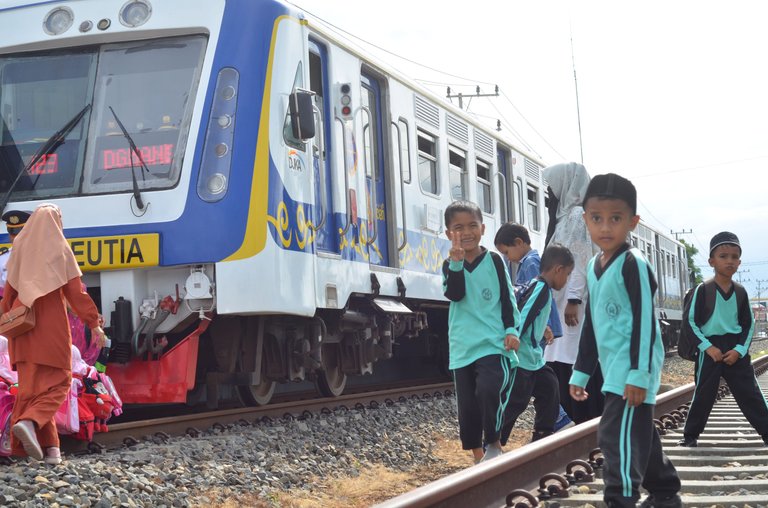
<point>166,380</point>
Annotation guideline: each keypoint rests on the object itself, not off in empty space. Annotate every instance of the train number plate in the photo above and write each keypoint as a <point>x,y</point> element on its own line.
<point>114,252</point>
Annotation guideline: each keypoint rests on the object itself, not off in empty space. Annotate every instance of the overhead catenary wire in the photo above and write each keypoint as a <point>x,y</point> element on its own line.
<point>350,34</point>
<point>503,94</point>
<point>439,71</point>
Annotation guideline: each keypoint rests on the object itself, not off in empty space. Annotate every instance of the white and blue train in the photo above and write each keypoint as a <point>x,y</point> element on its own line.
<point>251,200</point>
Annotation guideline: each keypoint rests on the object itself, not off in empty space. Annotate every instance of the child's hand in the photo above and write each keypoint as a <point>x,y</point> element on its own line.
<point>578,393</point>
<point>548,335</point>
<point>456,252</point>
<point>731,357</point>
<point>715,354</point>
<point>634,395</point>
<point>511,342</point>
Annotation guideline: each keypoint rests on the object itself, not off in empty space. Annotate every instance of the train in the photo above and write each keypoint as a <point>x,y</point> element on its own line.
<point>669,259</point>
<point>252,200</point>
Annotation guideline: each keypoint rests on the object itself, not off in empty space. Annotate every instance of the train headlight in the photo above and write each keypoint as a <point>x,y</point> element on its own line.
<point>58,21</point>
<point>135,13</point>
<point>216,183</point>
<point>213,181</point>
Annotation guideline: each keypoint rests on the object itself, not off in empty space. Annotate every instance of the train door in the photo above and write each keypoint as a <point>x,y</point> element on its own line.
<point>374,163</point>
<point>323,218</point>
<point>506,198</point>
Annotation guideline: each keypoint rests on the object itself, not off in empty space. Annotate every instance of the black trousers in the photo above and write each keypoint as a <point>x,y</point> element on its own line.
<point>579,411</point>
<point>482,391</point>
<point>541,384</point>
<point>740,378</point>
<point>633,454</point>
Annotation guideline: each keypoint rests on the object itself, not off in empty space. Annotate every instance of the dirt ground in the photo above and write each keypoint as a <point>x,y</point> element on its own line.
<point>373,485</point>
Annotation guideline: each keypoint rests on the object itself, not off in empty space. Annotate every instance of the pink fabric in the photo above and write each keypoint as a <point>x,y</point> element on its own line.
<point>88,353</point>
<point>67,417</point>
<point>6,371</point>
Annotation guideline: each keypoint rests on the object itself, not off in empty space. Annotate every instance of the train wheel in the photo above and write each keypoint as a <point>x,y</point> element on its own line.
<point>260,394</point>
<point>331,379</point>
<point>257,395</point>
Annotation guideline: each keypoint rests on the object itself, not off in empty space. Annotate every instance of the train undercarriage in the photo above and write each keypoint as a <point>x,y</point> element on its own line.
<point>256,353</point>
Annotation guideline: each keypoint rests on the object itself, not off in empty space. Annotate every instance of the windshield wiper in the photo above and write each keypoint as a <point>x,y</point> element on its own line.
<point>134,149</point>
<point>50,146</point>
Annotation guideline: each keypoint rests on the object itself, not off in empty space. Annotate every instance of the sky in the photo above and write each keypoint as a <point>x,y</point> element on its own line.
<point>672,95</point>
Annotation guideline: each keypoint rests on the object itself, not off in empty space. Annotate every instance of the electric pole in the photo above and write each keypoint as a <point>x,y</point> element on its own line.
<point>683,232</point>
<point>477,93</point>
<point>738,274</point>
<point>760,287</point>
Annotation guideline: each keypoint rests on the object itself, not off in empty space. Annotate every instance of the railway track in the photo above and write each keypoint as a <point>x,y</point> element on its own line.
<point>729,467</point>
<point>127,433</point>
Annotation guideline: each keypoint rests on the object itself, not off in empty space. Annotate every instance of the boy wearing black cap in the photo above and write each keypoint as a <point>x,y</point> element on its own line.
<point>621,331</point>
<point>719,315</point>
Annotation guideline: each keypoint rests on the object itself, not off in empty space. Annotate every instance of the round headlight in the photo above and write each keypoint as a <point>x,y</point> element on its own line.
<point>217,183</point>
<point>135,13</point>
<point>58,21</point>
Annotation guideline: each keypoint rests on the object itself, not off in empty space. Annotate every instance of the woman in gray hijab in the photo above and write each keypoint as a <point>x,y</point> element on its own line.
<point>567,184</point>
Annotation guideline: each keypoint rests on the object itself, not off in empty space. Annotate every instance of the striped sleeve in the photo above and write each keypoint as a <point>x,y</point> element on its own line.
<point>510,315</point>
<point>697,301</point>
<point>746,321</point>
<point>534,303</point>
<point>638,281</point>
<point>586,360</point>
<point>454,286</point>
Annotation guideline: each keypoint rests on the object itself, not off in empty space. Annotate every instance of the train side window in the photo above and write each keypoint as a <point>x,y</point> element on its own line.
<point>428,163</point>
<point>405,150</point>
<point>533,207</point>
<point>484,188</point>
<point>288,137</point>
<point>457,172</point>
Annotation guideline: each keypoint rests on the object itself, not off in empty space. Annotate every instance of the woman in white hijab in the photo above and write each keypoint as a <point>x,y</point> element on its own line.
<point>567,184</point>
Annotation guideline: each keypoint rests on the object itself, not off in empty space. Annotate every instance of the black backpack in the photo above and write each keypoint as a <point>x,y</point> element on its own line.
<point>688,343</point>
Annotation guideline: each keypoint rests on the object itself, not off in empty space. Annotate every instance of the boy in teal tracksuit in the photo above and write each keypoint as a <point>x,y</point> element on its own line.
<point>620,329</point>
<point>724,337</point>
<point>482,330</point>
<point>534,376</point>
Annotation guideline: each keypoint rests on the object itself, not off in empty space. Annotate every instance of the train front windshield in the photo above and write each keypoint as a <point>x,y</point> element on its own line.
<point>138,93</point>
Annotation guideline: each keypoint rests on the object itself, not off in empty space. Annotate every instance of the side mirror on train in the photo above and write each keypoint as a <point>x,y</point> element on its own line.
<point>302,114</point>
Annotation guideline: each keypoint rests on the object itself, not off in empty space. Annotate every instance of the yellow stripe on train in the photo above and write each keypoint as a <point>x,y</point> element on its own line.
<point>115,252</point>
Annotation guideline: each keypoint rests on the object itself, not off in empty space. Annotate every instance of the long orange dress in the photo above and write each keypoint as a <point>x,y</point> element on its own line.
<point>43,357</point>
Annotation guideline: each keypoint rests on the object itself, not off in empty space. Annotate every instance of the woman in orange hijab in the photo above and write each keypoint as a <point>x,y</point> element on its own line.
<point>43,274</point>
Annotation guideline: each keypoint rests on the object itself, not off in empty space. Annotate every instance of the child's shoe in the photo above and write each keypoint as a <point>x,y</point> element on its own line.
<point>689,441</point>
<point>25,432</point>
<point>53,456</point>
<point>491,453</point>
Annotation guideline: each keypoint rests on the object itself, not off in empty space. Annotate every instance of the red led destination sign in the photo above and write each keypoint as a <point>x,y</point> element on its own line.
<point>153,155</point>
<point>46,165</point>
